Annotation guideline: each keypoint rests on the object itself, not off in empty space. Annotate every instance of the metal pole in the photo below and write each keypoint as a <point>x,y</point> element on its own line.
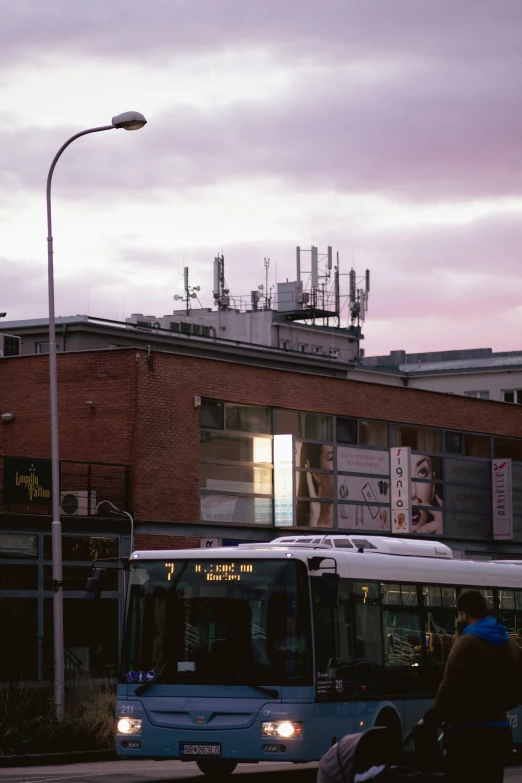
<point>56,527</point>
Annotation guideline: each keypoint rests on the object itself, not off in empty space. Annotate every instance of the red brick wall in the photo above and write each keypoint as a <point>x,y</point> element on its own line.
<point>144,413</point>
<point>165,542</point>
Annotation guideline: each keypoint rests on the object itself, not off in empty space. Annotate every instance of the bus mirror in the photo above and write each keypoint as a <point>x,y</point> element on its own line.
<point>329,591</point>
<point>95,583</point>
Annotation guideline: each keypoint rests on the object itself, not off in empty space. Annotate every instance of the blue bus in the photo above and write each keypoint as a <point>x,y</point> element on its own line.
<point>274,651</point>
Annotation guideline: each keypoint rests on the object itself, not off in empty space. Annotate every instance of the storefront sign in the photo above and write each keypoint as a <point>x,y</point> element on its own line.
<point>475,500</point>
<point>27,481</point>
<point>374,462</point>
<point>472,472</point>
<point>461,525</point>
<point>502,500</point>
<point>284,487</point>
<point>400,489</point>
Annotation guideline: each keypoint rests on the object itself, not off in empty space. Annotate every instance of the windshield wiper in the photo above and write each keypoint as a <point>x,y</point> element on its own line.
<point>267,691</point>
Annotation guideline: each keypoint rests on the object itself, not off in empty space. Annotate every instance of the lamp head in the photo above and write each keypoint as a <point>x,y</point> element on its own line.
<point>130,120</point>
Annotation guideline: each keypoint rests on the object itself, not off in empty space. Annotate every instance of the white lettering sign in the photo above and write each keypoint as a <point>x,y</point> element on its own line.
<point>371,461</point>
<point>400,489</point>
<point>502,499</point>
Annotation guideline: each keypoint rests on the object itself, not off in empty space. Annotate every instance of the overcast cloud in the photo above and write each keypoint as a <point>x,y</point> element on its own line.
<point>389,129</point>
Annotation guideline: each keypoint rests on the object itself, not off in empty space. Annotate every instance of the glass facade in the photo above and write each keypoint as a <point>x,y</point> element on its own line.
<point>342,478</point>
<point>91,629</point>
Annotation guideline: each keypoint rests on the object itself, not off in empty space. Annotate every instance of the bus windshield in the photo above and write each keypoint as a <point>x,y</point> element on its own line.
<point>220,621</point>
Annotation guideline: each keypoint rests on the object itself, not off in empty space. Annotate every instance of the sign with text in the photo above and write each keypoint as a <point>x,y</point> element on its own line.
<point>400,489</point>
<point>284,477</point>
<point>502,500</point>
<point>27,481</point>
<point>374,462</point>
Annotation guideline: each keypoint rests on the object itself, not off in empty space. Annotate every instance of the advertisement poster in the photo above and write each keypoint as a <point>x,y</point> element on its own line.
<point>314,484</point>
<point>366,517</point>
<point>400,489</point>
<point>372,461</point>
<point>501,499</point>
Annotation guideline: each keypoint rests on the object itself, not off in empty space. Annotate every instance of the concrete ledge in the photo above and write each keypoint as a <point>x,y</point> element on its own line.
<point>68,757</point>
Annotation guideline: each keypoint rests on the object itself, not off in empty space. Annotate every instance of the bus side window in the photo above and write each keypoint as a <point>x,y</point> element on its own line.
<point>332,629</point>
<point>368,640</point>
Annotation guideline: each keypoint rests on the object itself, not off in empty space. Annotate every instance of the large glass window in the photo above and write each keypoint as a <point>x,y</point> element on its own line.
<point>308,426</point>
<point>90,637</point>
<point>19,635</point>
<point>83,548</point>
<point>362,432</point>
<point>216,446</point>
<point>417,438</point>
<point>507,448</point>
<point>248,418</point>
<point>219,622</point>
<point>235,478</point>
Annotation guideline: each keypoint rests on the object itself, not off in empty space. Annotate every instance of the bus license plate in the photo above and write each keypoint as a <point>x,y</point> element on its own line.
<point>201,749</point>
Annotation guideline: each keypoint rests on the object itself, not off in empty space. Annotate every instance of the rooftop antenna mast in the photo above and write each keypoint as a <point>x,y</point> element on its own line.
<point>267,291</point>
<point>190,291</point>
<point>221,294</point>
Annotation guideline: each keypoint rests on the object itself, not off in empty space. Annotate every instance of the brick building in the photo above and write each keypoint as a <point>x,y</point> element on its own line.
<point>186,441</point>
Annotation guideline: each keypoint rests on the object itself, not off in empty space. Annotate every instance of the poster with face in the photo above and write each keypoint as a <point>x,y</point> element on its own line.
<point>426,491</point>
<point>314,482</point>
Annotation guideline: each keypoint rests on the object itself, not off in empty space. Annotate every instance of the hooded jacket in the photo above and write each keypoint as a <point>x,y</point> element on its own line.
<point>482,679</point>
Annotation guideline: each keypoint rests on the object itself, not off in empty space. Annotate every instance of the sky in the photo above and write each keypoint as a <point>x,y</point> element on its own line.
<point>390,130</point>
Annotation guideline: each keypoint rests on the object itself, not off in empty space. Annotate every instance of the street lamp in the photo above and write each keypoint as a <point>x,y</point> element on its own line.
<point>129,120</point>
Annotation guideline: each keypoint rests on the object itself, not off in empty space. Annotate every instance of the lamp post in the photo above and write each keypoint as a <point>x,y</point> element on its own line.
<point>123,513</point>
<point>130,120</point>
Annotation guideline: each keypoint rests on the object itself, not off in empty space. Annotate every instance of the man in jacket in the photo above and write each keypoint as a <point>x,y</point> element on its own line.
<point>482,681</point>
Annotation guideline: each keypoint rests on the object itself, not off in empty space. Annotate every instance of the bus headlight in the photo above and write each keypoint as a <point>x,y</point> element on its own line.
<point>285,729</point>
<point>129,726</point>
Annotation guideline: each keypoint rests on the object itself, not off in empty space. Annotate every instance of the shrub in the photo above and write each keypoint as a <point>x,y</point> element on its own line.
<point>28,724</point>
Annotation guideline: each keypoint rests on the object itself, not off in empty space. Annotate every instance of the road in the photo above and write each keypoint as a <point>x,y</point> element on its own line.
<point>160,771</point>
<point>156,772</point>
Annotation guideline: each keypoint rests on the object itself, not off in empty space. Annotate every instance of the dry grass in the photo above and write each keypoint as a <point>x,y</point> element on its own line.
<point>28,725</point>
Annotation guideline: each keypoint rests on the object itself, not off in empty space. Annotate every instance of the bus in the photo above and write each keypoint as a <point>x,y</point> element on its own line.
<point>274,651</point>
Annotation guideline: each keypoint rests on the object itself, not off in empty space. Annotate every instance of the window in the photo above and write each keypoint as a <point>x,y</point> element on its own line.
<point>308,426</point>
<point>512,395</point>
<point>303,347</point>
<point>454,442</point>
<point>212,415</point>
<point>347,431</point>
<point>373,433</point>
<point>11,345</point>
<point>507,448</point>
<point>44,347</point>
<point>235,478</point>
<point>83,548</point>
<point>417,438</point>
<point>246,418</point>
<point>481,395</point>
<point>363,432</point>
<point>317,348</point>
<point>216,446</point>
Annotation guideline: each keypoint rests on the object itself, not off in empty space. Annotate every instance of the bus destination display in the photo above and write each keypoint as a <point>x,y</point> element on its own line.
<point>209,571</point>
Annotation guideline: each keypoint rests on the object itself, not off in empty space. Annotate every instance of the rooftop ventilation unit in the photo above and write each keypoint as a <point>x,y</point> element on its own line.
<point>9,345</point>
<point>374,544</point>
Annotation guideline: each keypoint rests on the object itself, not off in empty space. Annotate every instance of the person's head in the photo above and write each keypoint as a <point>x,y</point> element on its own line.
<point>422,493</point>
<point>471,606</point>
<point>460,624</point>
